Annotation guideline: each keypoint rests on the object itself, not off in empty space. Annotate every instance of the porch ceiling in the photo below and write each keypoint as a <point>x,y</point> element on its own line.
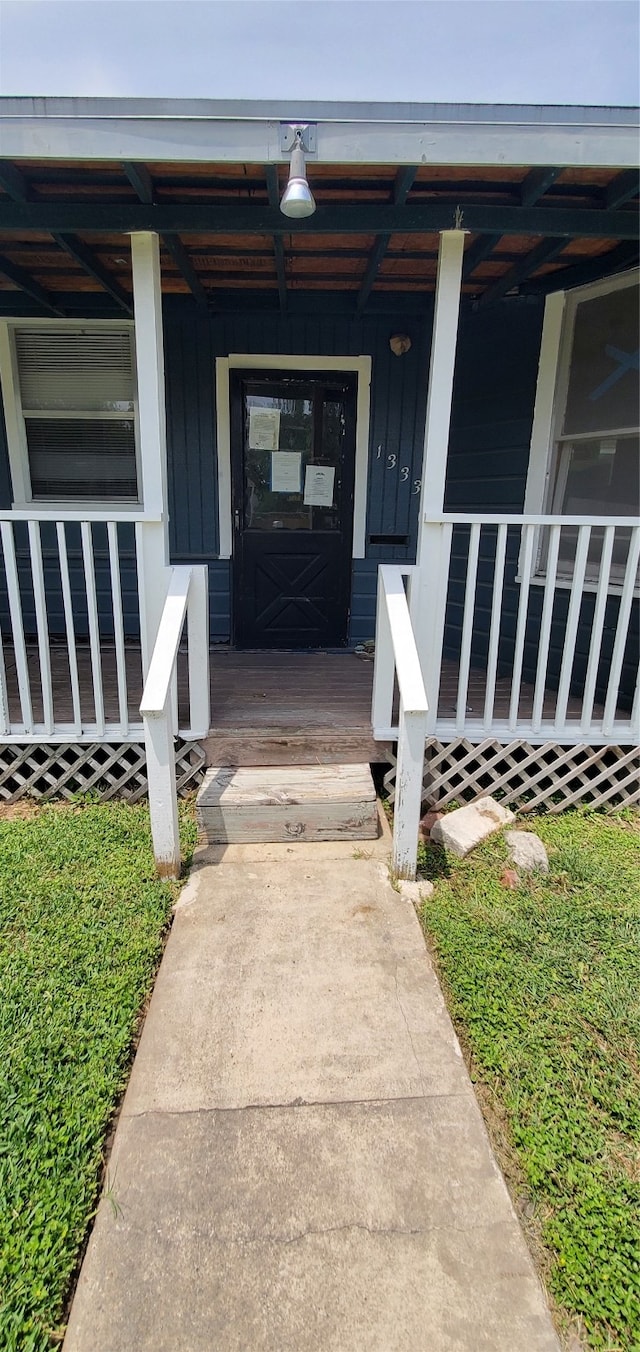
<point>371,245</point>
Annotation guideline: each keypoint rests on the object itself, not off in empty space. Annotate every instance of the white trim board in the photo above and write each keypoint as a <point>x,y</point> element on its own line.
<point>359,366</point>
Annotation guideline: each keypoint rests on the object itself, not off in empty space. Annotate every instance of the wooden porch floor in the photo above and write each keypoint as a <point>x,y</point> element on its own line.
<point>266,704</point>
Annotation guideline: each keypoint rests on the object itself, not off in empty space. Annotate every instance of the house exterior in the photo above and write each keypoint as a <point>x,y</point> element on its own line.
<point>214,411</point>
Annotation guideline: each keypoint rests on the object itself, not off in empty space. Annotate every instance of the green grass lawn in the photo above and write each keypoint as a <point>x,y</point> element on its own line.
<point>543,983</point>
<point>82,925</point>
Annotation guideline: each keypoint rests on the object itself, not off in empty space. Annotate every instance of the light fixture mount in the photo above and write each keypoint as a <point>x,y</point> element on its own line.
<point>304,133</point>
<point>297,201</point>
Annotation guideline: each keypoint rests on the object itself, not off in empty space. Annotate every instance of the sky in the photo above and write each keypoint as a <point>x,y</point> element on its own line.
<point>495,51</point>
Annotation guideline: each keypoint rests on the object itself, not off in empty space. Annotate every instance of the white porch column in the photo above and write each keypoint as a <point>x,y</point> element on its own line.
<point>429,583</point>
<point>152,537</point>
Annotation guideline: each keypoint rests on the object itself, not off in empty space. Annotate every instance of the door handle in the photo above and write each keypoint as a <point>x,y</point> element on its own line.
<point>236,518</point>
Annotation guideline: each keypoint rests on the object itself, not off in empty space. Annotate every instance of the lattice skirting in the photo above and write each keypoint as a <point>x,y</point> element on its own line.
<point>108,770</point>
<point>552,777</point>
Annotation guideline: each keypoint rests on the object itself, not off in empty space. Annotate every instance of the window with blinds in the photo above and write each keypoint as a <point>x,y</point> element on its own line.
<point>77,398</point>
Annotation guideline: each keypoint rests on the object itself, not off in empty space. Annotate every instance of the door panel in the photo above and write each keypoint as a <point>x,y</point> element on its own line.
<point>293,461</point>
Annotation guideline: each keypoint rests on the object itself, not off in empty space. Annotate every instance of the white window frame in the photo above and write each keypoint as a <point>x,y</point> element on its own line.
<point>238,361</point>
<point>16,426</point>
<point>542,492</point>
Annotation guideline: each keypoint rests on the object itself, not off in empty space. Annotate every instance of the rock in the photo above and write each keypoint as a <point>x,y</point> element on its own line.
<point>527,851</point>
<point>462,830</point>
<point>509,879</point>
<point>416,893</point>
<point>427,822</point>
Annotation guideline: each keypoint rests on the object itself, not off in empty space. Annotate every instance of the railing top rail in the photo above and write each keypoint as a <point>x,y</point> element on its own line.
<point>157,684</point>
<point>76,514</point>
<point>405,652</point>
<point>514,519</point>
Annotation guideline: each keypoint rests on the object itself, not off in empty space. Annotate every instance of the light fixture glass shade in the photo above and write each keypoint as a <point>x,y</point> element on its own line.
<point>297,199</point>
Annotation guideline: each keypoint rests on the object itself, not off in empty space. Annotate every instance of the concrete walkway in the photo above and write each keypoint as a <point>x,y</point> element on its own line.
<point>300,1162</point>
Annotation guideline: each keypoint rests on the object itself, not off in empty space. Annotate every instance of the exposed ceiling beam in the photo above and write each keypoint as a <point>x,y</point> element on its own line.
<point>403,184</point>
<point>140,180</point>
<point>370,218</point>
<point>181,258</point>
<point>82,254</point>
<point>13,181</point>
<point>142,183</point>
<point>476,254</point>
<point>621,258</point>
<point>623,187</point>
<point>271,175</point>
<point>27,283</point>
<point>535,185</point>
<point>543,253</point>
<point>401,189</point>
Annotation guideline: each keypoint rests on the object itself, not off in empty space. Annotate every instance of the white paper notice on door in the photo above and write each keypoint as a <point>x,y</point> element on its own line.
<point>286,469</point>
<point>318,485</point>
<point>264,429</point>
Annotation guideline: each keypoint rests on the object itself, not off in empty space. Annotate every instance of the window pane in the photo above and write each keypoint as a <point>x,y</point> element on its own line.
<point>600,477</point>
<point>603,388</point>
<point>71,369</point>
<point>87,459</point>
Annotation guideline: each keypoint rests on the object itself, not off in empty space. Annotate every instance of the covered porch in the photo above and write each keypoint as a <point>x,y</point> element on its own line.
<point>503,615</point>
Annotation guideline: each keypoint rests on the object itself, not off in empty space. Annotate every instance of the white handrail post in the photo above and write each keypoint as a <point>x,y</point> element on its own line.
<point>408,800</point>
<point>152,538</point>
<point>163,797</point>
<point>426,599</point>
<point>383,663</point>
<point>198,638</point>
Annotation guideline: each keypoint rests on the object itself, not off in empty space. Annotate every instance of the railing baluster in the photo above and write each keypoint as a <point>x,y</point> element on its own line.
<point>602,596</point>
<point>545,627</point>
<point>94,630</point>
<point>69,625</point>
<point>17,626</point>
<point>42,627</point>
<point>622,629</point>
<point>571,630</point>
<point>467,626</point>
<point>5,720</point>
<point>118,625</point>
<point>198,639</point>
<point>526,555</point>
<point>494,628</point>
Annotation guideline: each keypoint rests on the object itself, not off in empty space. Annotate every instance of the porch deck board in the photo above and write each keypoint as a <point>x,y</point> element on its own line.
<point>264,694</point>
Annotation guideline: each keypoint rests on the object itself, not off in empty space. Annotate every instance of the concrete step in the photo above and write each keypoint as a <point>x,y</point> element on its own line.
<point>254,804</point>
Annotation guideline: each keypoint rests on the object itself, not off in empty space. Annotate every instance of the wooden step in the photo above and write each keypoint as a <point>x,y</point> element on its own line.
<point>252,746</point>
<point>271,803</point>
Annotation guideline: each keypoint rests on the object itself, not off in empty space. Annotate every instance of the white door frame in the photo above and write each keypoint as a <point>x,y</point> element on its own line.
<point>360,366</point>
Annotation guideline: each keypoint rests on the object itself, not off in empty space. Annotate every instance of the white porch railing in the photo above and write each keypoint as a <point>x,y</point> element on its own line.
<point>533,635</point>
<point>540,610</point>
<point>187,596</point>
<point>397,656</point>
<point>72,594</point>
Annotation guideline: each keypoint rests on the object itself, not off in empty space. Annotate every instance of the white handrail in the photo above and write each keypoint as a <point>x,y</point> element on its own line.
<point>397,654</point>
<point>186,598</point>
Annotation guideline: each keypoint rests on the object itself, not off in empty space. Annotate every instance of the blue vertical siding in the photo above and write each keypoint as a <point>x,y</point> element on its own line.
<point>398,401</point>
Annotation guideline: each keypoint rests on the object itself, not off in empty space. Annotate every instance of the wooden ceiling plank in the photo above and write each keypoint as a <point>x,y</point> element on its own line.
<point>543,252</point>
<point>478,252</point>
<point>30,286</point>
<point>82,254</point>
<point>535,184</point>
<point>271,175</point>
